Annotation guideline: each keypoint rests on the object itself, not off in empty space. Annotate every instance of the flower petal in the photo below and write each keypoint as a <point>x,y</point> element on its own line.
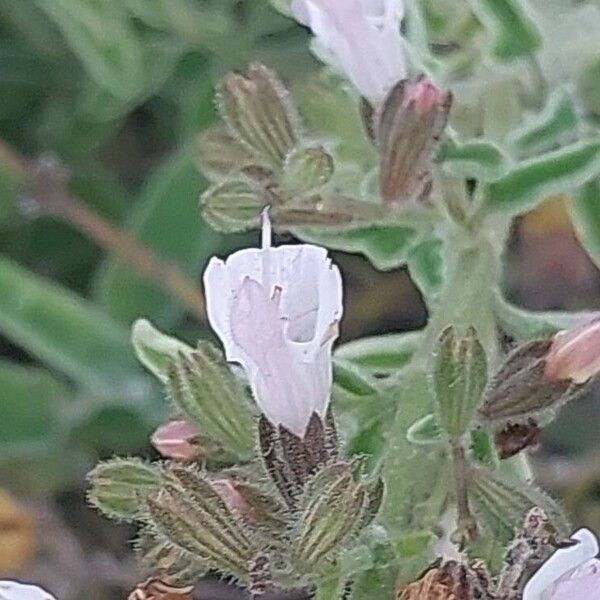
<point>362,38</point>
<point>582,584</point>
<point>13,590</point>
<point>560,563</point>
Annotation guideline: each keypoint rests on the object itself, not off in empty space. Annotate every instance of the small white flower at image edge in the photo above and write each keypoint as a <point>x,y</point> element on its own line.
<point>571,573</point>
<point>14,590</point>
<point>276,311</point>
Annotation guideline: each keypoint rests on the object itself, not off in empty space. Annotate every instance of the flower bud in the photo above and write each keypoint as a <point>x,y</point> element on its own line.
<point>211,397</point>
<point>258,110</point>
<point>407,129</point>
<point>451,580</point>
<point>232,497</point>
<point>460,376</point>
<point>335,507</point>
<point>177,440</point>
<point>575,353</point>
<point>521,389</point>
<point>307,169</point>
<point>119,487</point>
<point>233,206</point>
<point>189,514</point>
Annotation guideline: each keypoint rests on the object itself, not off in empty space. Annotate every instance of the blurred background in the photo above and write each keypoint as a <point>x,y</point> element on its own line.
<point>101,105</point>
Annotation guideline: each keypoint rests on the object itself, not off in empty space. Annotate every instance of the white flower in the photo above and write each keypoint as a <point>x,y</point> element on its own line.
<point>359,37</point>
<point>277,311</point>
<point>571,573</point>
<point>13,590</point>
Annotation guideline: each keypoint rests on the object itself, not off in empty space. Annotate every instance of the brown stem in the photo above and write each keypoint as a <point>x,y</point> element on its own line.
<point>467,525</point>
<point>47,189</point>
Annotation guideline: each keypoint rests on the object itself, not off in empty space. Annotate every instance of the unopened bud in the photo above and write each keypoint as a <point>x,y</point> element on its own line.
<point>210,396</point>
<point>521,389</point>
<point>178,440</point>
<point>193,517</point>
<point>408,127</point>
<point>334,509</point>
<point>460,376</point>
<point>233,206</point>
<point>119,487</point>
<point>259,113</point>
<point>575,353</point>
<point>220,155</point>
<point>232,497</point>
<point>306,170</point>
<point>451,580</point>
<point>157,555</point>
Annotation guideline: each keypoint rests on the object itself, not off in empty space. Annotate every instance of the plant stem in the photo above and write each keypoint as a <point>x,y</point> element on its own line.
<point>467,525</point>
<point>47,191</point>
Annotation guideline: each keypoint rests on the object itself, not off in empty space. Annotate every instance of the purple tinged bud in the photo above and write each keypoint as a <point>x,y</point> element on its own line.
<point>177,440</point>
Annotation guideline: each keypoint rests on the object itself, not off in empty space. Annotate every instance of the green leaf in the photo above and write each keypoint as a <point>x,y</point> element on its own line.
<point>66,332</point>
<point>33,402</point>
<point>425,431</point>
<point>426,266</point>
<point>155,350</point>
<point>352,379</point>
<point>525,325</point>
<point>386,247</point>
<point>327,107</point>
<point>382,355</point>
<point>478,159</point>
<point>557,122</point>
<point>166,219</point>
<point>413,544</point>
<point>115,62</point>
<point>513,29</point>
<point>535,179</point>
<point>585,213</point>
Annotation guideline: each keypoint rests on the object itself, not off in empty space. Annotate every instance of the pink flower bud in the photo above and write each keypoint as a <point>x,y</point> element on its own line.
<point>177,440</point>
<point>575,353</point>
<point>232,497</point>
<point>408,126</point>
<point>425,97</point>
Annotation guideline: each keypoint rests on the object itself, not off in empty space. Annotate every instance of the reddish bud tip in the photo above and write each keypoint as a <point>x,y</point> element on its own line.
<point>575,353</point>
<point>425,97</point>
<point>232,497</point>
<point>177,440</point>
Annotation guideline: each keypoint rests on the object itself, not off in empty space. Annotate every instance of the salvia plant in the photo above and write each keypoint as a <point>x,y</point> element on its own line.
<point>393,466</point>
